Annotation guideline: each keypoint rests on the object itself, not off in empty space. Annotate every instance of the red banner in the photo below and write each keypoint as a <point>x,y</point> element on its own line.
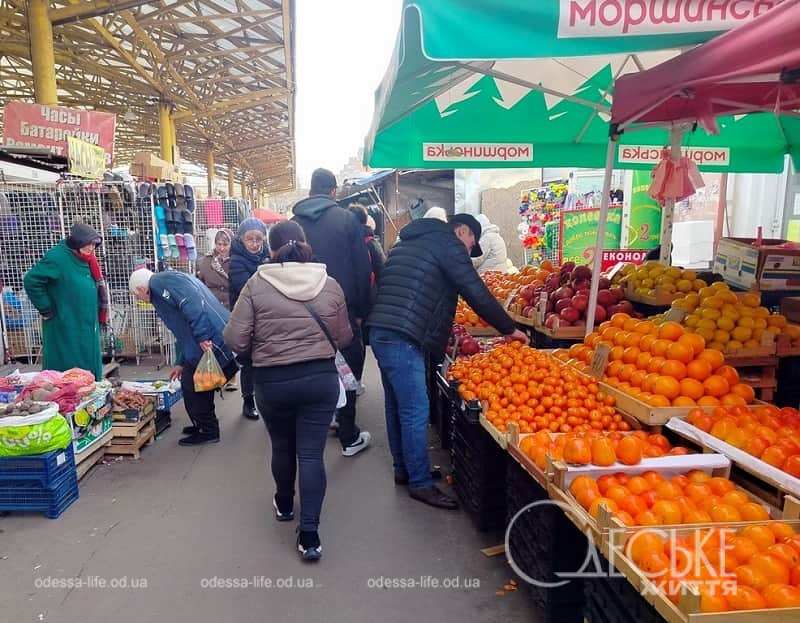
<point>35,125</point>
<point>612,257</point>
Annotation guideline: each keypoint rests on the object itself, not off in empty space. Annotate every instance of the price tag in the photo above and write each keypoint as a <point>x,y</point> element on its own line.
<point>768,339</point>
<point>509,298</point>
<point>600,360</point>
<point>675,315</point>
<point>541,308</point>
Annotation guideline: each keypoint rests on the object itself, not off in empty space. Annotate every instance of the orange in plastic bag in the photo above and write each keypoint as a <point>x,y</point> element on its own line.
<point>208,375</point>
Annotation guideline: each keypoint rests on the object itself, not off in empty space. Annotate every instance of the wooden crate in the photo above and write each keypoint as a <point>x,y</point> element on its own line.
<point>85,461</point>
<point>759,372</point>
<point>641,411</point>
<point>482,331</point>
<point>135,415</point>
<point>660,300</point>
<point>533,470</point>
<point>130,438</point>
<point>750,472</point>
<point>688,608</point>
<point>576,334</point>
<point>784,347</point>
<point>499,436</point>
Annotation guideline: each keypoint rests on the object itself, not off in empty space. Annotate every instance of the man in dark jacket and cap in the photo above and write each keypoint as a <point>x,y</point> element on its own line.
<point>425,273</point>
<point>196,318</point>
<point>338,242</point>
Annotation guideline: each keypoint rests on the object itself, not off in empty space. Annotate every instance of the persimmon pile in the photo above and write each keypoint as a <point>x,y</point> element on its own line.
<point>597,448</point>
<point>523,385</point>
<point>662,364</point>
<point>749,568</point>
<point>767,432</point>
<point>651,499</point>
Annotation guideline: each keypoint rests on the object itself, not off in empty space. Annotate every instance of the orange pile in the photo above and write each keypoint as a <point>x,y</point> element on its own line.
<point>662,365</point>
<point>766,432</point>
<point>753,568</point>
<point>523,385</point>
<point>596,448</point>
<point>650,499</point>
<point>466,317</point>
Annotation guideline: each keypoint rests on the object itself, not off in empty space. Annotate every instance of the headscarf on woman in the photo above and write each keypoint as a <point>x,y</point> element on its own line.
<point>80,236</point>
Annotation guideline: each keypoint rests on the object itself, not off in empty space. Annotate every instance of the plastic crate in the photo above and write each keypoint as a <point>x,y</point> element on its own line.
<point>26,496</point>
<point>47,469</point>
<point>166,400</point>
<point>614,600</point>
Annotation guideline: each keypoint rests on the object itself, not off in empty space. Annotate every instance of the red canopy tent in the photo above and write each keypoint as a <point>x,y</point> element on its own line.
<point>752,68</point>
<point>268,217</point>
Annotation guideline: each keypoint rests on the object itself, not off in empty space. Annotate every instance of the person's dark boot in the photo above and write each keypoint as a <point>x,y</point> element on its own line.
<point>249,408</point>
<point>190,430</point>
<point>309,546</point>
<point>199,438</point>
<point>283,508</point>
<point>432,496</point>
<point>402,479</point>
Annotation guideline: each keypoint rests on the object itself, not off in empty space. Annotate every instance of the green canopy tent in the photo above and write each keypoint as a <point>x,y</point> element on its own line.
<point>499,83</point>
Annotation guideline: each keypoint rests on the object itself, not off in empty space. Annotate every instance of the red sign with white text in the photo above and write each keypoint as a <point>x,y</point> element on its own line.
<point>612,257</point>
<point>36,125</point>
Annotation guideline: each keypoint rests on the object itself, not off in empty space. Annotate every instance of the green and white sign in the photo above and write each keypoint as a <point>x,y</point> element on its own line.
<point>579,233</point>
<point>504,83</point>
<point>644,227</point>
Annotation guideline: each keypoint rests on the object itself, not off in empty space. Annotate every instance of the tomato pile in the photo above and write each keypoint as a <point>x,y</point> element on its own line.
<point>523,385</point>
<point>596,448</point>
<point>662,365</point>
<point>766,432</point>
<point>754,567</point>
<point>651,499</point>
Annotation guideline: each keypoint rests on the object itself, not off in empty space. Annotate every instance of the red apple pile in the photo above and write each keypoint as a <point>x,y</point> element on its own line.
<point>568,298</point>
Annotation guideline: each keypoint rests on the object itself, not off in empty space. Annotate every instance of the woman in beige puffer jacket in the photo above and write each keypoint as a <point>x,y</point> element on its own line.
<point>295,378</point>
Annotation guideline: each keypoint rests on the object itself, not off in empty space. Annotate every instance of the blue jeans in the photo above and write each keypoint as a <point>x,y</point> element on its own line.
<point>402,365</point>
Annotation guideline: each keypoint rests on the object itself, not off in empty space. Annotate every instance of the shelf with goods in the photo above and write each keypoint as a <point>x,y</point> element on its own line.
<point>554,476</point>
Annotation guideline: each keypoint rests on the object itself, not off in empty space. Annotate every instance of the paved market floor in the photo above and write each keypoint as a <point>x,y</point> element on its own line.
<point>182,519</point>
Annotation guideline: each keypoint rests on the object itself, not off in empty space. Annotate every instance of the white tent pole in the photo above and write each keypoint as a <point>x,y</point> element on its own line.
<point>668,213</point>
<point>601,234</point>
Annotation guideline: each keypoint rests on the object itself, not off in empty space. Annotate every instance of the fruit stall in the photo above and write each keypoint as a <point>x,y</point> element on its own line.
<point>646,439</point>
<point>56,426</point>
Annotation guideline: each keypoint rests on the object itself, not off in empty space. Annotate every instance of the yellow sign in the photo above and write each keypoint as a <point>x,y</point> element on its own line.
<point>85,159</point>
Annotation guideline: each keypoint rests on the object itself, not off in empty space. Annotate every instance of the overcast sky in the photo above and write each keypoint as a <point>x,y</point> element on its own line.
<point>343,50</point>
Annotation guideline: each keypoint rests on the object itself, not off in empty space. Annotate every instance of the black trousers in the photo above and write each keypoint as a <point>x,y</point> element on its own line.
<point>200,405</point>
<point>297,411</point>
<point>355,354</point>
<point>246,379</point>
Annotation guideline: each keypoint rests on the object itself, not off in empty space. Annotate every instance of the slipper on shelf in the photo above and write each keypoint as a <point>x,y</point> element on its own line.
<point>191,247</point>
<point>179,240</point>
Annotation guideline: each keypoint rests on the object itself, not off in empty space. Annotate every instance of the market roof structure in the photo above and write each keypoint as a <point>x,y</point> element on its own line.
<point>223,68</point>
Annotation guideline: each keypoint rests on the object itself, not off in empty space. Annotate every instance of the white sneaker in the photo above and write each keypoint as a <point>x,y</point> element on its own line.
<point>358,445</point>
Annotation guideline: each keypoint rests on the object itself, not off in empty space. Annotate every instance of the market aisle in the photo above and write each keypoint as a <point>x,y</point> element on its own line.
<point>181,516</point>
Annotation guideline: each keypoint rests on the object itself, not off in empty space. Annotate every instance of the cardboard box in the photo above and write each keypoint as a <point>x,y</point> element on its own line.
<point>768,267</point>
<point>790,307</point>
<point>146,164</point>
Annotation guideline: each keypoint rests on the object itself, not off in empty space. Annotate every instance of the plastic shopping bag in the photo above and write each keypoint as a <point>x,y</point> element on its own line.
<point>208,375</point>
<point>34,434</point>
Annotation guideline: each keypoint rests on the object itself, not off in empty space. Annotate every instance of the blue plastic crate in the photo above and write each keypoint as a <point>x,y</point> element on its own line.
<point>166,400</point>
<point>26,496</point>
<point>47,469</point>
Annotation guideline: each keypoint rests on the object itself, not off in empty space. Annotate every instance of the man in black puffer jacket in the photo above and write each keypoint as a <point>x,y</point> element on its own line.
<point>338,242</point>
<point>417,295</point>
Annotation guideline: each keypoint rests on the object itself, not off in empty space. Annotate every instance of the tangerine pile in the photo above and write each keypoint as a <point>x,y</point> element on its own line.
<point>662,365</point>
<point>523,385</point>
<point>766,432</point>
<point>596,448</point>
<point>500,285</point>
<point>755,567</point>
<point>466,317</point>
<point>650,499</point>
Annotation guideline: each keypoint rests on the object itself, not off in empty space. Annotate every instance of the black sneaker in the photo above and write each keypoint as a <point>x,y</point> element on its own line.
<point>190,430</point>
<point>198,439</point>
<point>402,479</point>
<point>281,516</point>
<point>308,546</point>
<point>432,496</point>
<point>249,409</point>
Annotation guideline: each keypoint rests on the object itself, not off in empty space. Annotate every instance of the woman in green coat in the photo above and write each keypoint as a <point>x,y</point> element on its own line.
<point>68,290</point>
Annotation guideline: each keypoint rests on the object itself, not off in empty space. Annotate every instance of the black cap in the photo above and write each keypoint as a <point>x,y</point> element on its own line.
<point>471,222</point>
<point>81,235</point>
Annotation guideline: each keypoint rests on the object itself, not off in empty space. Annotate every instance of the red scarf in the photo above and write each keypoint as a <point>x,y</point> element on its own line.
<point>102,291</point>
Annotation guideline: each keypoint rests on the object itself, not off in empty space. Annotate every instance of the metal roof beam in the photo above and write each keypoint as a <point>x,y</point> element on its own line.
<point>91,8</point>
<point>202,19</point>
